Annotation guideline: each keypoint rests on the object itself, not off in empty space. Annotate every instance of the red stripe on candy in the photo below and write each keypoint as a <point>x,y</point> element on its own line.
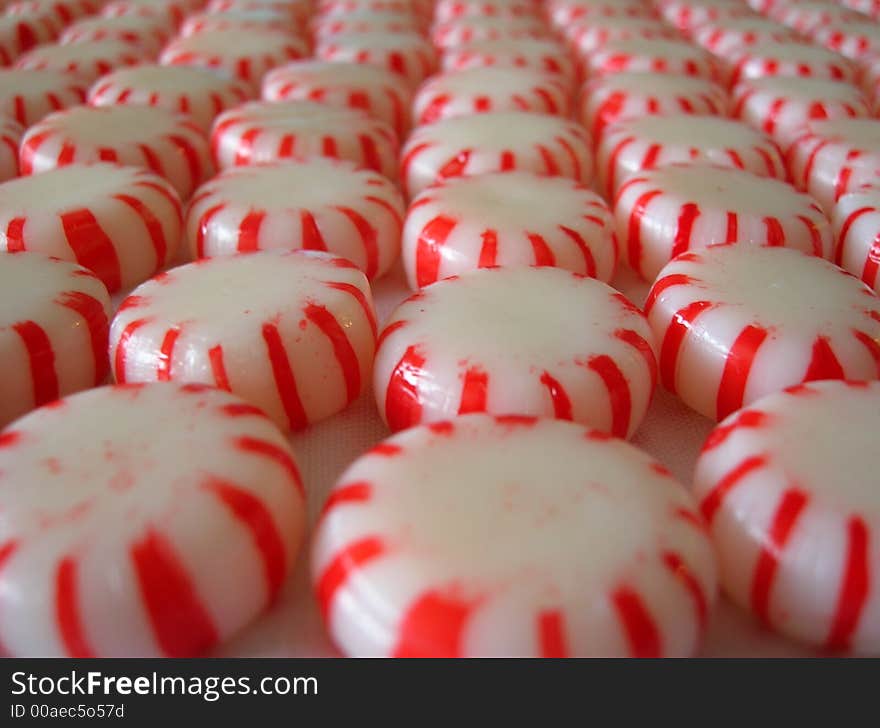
<point>166,353</point>
<point>578,240</point>
<point>474,391</point>
<point>675,279</point>
<point>273,452</point>
<point>347,561</point>
<point>218,368</point>
<point>41,359</point>
<point>253,515</point>
<point>682,573</point>
<point>558,396</point>
<point>388,330</point>
<point>182,625</point>
<point>151,223</point>
<point>15,235</point>
<point>285,381</point>
<point>345,354</point>
<point>428,248</point>
<point>368,238</point>
<point>634,230</point>
<point>359,492</point>
<point>403,407</point>
<point>618,392</point>
<point>714,499</point>
<point>681,322</point>
<point>203,225</point>
<point>854,586</point>
<point>361,298</point>
<point>682,242</point>
<point>823,363</point>
<point>311,235</point>
<point>67,612</point>
<point>249,231</point>
<point>543,255</point>
<point>433,626</point>
<point>737,366</point>
<point>639,626</point>
<point>551,634</point>
<point>637,342</point>
<point>92,312</point>
<point>488,249</point>
<point>119,362</point>
<point>781,528</point>
<point>91,246</point>
<point>194,166</point>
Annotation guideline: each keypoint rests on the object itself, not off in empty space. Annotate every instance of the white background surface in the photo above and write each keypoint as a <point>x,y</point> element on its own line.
<point>292,628</point>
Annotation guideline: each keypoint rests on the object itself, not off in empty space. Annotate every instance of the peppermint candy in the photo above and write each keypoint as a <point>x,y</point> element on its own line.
<point>513,341</point>
<point>291,332</point>
<point>735,323</point>
<point>53,332</point>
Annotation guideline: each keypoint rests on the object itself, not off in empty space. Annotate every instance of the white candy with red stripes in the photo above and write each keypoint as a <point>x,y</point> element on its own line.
<point>18,34</point>
<point>376,91</point>
<point>690,14</point>
<point>122,223</point>
<point>788,487</point>
<point>869,78</point>
<point>495,142</point>
<point>518,340</point>
<point>665,212</point>
<point>148,33</point>
<point>445,10</point>
<point>806,16</point>
<point>870,8</point>
<point>291,332</point>
<point>171,11</point>
<point>240,20</point>
<point>11,133</point>
<point>588,37</point>
<point>736,322</point>
<point>511,536</point>
<point>481,90</point>
<point>264,131</point>
<point>53,332</point>
<point>324,29</point>
<point>834,157</point>
<point>547,56</point>
<point>637,145</point>
<point>86,61</point>
<point>655,55</point>
<point>856,223</point>
<point>464,31</point>
<point>407,54</point>
<point>781,106</point>
<point>504,219</point>
<point>246,56</point>
<point>119,542</point>
<point>418,9</point>
<point>66,11</point>
<point>28,96</point>
<point>297,10</point>
<point>169,144</point>
<point>855,40</point>
<point>564,13</point>
<point>320,204</point>
<point>727,38</point>
<point>619,96</point>
<point>196,92</point>
<point>791,59</point>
